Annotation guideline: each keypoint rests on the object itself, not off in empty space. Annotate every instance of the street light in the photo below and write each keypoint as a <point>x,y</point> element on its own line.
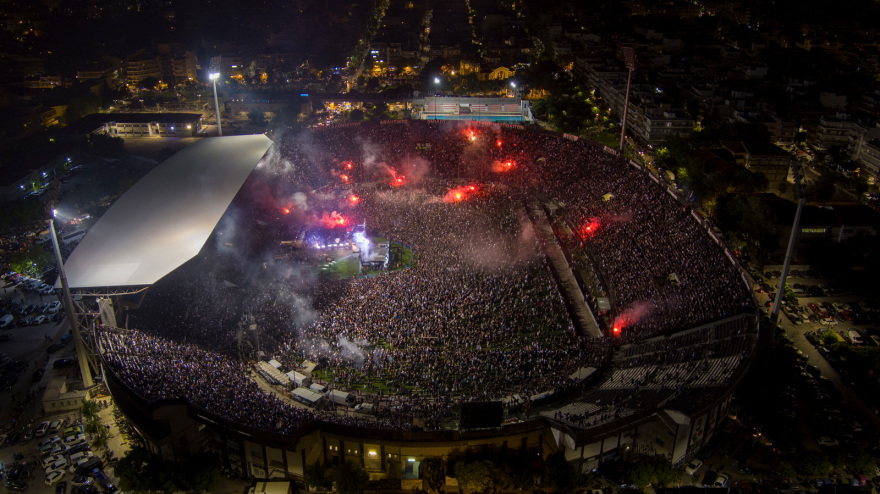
<point>214,76</point>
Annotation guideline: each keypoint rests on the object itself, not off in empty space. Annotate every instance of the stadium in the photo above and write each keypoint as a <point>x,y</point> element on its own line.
<point>391,292</point>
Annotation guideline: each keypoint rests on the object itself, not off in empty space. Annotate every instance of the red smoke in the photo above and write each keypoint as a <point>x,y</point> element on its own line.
<point>503,165</point>
<point>459,193</point>
<point>591,228</point>
<point>632,315</point>
<point>396,180</point>
<point>331,220</point>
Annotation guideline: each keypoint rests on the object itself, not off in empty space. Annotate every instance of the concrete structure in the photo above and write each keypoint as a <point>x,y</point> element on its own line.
<point>143,124</point>
<point>761,157</point>
<point>464,108</point>
<point>57,399</point>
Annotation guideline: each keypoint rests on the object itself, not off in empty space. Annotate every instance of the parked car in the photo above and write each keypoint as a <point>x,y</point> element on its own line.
<point>53,478</point>
<point>63,363</point>
<point>693,466</point>
<point>55,425</point>
<point>828,441</point>
<point>58,465</point>
<point>74,438</point>
<point>50,460</point>
<point>41,429</point>
<point>48,441</point>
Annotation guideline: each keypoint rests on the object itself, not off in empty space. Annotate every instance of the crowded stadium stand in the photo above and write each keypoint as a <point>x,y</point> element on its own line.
<point>539,293</point>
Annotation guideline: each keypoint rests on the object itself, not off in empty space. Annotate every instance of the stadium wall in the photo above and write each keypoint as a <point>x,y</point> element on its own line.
<point>174,429</point>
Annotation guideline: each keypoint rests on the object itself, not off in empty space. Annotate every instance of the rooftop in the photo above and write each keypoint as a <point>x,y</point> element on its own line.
<point>165,219</point>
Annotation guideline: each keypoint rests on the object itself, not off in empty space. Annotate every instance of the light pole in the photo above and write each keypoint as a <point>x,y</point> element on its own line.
<point>81,356</point>
<point>214,76</point>
<point>436,88</point>
<point>513,85</point>
<point>630,56</point>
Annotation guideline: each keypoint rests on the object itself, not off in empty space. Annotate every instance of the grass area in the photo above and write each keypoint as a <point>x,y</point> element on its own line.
<point>606,138</point>
<point>345,268</point>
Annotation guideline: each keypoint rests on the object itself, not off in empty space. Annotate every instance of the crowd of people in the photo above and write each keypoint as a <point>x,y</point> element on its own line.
<point>477,317</point>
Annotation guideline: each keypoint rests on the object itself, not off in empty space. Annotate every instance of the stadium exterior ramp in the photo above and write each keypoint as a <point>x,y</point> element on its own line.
<point>166,217</point>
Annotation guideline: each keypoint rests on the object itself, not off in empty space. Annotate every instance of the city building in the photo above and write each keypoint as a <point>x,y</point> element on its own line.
<point>142,67</point>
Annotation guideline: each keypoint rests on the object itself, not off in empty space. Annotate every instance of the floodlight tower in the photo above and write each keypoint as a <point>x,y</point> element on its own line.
<point>437,87</point>
<point>629,56</point>
<point>780,290</point>
<point>81,355</point>
<point>214,76</point>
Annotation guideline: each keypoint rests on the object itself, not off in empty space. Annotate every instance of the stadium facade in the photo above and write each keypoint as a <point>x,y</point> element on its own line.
<point>638,404</point>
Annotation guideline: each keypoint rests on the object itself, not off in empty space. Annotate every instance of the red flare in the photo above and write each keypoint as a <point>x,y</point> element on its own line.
<point>459,193</point>
<point>354,199</point>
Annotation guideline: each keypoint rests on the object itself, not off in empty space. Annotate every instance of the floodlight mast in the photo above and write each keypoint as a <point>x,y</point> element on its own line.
<point>629,56</point>
<point>81,355</point>
<point>214,76</point>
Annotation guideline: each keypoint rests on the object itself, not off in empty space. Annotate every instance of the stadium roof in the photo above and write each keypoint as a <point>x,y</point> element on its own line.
<point>165,219</point>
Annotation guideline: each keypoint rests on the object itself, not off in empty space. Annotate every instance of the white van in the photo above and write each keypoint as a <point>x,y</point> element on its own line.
<point>855,338</point>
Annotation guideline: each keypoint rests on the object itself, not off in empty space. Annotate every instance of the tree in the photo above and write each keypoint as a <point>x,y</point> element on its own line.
<point>822,189</point>
<point>140,470</point>
<point>33,259</point>
<point>786,471</point>
<point>351,478</point>
<point>559,474</point>
<point>356,115</point>
<point>863,464</point>
<point>256,118</point>
<point>89,409</point>
<point>314,476</point>
<point>149,82</point>
<point>815,464</point>
<point>105,145</point>
<point>483,476</point>
<point>101,438</point>
<point>80,106</point>
<point>434,474</point>
<point>200,471</point>
<point>20,213</point>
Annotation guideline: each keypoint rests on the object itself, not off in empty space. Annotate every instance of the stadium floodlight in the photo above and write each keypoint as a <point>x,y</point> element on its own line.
<point>67,302</point>
<point>214,76</point>
<point>436,83</point>
<point>629,56</point>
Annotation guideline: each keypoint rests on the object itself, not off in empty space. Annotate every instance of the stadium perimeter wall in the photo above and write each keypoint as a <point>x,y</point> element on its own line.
<point>175,429</point>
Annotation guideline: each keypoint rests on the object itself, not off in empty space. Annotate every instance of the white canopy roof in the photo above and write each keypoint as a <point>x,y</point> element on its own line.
<point>166,217</point>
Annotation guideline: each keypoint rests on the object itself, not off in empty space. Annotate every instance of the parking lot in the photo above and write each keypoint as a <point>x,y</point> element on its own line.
<point>34,445</point>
